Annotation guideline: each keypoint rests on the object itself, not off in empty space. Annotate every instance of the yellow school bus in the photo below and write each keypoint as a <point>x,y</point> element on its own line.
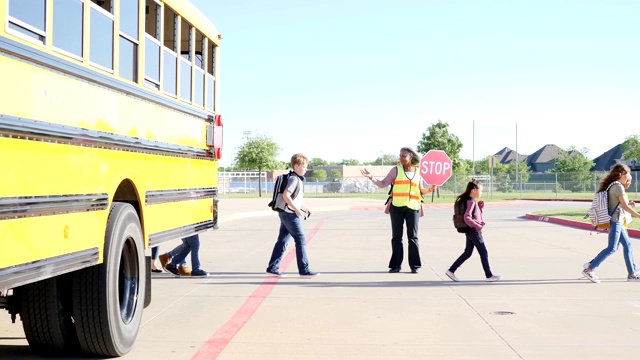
<point>109,140</point>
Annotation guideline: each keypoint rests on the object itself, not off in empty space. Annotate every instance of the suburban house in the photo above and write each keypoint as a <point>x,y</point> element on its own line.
<point>613,156</point>
<point>542,159</point>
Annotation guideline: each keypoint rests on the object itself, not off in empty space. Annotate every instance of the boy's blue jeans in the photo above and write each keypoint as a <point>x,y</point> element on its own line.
<point>290,226</point>
<point>191,245</point>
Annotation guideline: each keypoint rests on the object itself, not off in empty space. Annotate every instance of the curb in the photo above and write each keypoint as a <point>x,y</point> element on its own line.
<point>577,224</point>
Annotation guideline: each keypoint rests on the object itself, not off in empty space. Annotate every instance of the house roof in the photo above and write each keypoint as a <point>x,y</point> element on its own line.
<point>507,155</point>
<point>545,154</point>
<point>608,158</point>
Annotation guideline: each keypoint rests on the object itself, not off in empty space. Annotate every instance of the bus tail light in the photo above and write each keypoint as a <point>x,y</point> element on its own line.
<point>214,136</point>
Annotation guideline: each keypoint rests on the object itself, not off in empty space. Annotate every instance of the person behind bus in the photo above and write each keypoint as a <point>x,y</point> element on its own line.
<point>617,230</point>
<point>178,255</point>
<point>406,207</point>
<point>155,252</point>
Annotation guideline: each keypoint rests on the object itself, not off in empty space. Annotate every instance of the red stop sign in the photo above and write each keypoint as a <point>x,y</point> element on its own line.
<point>435,167</point>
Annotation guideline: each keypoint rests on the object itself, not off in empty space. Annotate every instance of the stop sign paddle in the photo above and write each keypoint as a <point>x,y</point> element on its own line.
<point>435,167</point>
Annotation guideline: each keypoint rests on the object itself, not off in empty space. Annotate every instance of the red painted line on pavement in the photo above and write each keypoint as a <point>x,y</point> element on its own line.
<point>216,343</point>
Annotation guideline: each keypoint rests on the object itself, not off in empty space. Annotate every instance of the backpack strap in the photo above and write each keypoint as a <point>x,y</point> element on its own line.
<point>618,204</point>
<point>296,191</point>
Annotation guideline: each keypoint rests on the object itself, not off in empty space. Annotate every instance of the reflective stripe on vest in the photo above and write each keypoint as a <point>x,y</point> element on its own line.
<point>406,192</point>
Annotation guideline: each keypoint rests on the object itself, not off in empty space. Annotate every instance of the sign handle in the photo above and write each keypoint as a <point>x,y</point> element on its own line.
<point>433,194</point>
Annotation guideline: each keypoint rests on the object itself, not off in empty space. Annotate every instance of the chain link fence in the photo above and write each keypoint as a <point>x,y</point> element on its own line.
<point>526,186</point>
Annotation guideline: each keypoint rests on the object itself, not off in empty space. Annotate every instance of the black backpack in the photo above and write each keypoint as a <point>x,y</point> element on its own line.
<point>277,202</point>
<point>459,208</point>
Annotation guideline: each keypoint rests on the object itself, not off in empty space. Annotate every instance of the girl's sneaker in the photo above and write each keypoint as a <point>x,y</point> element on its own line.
<point>494,278</point>
<point>590,276</point>
<point>633,277</point>
<point>452,276</point>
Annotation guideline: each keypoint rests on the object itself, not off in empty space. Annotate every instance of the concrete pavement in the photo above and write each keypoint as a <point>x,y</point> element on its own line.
<point>356,310</point>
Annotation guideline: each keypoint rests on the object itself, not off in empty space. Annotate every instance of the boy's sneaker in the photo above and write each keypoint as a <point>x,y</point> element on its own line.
<point>452,276</point>
<point>274,273</point>
<point>590,276</point>
<point>184,270</point>
<point>586,265</point>
<point>309,274</point>
<point>494,278</point>
<point>164,260</point>
<point>172,269</point>
<point>199,273</point>
<point>633,277</point>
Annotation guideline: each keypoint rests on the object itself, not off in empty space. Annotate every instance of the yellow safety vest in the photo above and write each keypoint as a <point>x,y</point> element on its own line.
<point>406,192</point>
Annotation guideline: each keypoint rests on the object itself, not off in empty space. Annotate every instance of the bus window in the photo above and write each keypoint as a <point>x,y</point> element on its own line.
<point>67,27</point>
<point>27,18</point>
<point>198,59</point>
<point>198,96</point>
<point>152,45</point>
<point>101,35</point>
<point>211,67</point>
<point>129,40</point>
<point>106,5</point>
<point>169,54</point>
<point>186,49</point>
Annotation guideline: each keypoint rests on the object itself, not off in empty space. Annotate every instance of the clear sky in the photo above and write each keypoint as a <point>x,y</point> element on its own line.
<point>353,79</point>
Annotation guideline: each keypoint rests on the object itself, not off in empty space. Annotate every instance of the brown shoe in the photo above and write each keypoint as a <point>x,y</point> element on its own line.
<point>184,270</point>
<point>164,260</point>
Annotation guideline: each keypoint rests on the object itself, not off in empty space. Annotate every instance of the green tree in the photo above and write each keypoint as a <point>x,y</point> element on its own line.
<point>317,162</point>
<point>573,160</point>
<point>438,137</point>
<point>631,148</point>
<point>524,170</point>
<point>573,168</point>
<point>385,159</point>
<point>258,153</point>
<point>319,175</point>
<point>349,162</point>
<point>335,174</point>
<point>465,167</point>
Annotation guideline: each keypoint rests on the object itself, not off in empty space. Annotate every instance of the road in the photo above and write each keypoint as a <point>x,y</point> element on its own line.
<point>355,309</point>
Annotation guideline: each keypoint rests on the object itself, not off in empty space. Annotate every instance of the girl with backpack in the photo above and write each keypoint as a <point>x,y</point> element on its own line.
<point>473,218</point>
<point>618,179</point>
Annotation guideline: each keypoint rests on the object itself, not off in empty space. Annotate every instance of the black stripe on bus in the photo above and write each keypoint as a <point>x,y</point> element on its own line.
<point>52,62</point>
<point>29,206</point>
<point>14,276</point>
<point>165,196</point>
<point>34,130</point>
<point>179,233</point>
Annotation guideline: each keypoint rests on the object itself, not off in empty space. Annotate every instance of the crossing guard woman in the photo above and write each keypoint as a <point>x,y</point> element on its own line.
<point>406,207</point>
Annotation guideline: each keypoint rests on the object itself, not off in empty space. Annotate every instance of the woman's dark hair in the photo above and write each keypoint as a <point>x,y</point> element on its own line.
<point>415,158</point>
<point>466,195</point>
<point>616,172</point>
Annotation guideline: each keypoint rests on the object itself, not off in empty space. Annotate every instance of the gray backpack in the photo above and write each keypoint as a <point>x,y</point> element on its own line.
<point>277,202</point>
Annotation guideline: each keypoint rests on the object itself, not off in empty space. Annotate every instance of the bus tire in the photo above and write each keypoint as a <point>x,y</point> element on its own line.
<point>45,311</point>
<point>108,298</point>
